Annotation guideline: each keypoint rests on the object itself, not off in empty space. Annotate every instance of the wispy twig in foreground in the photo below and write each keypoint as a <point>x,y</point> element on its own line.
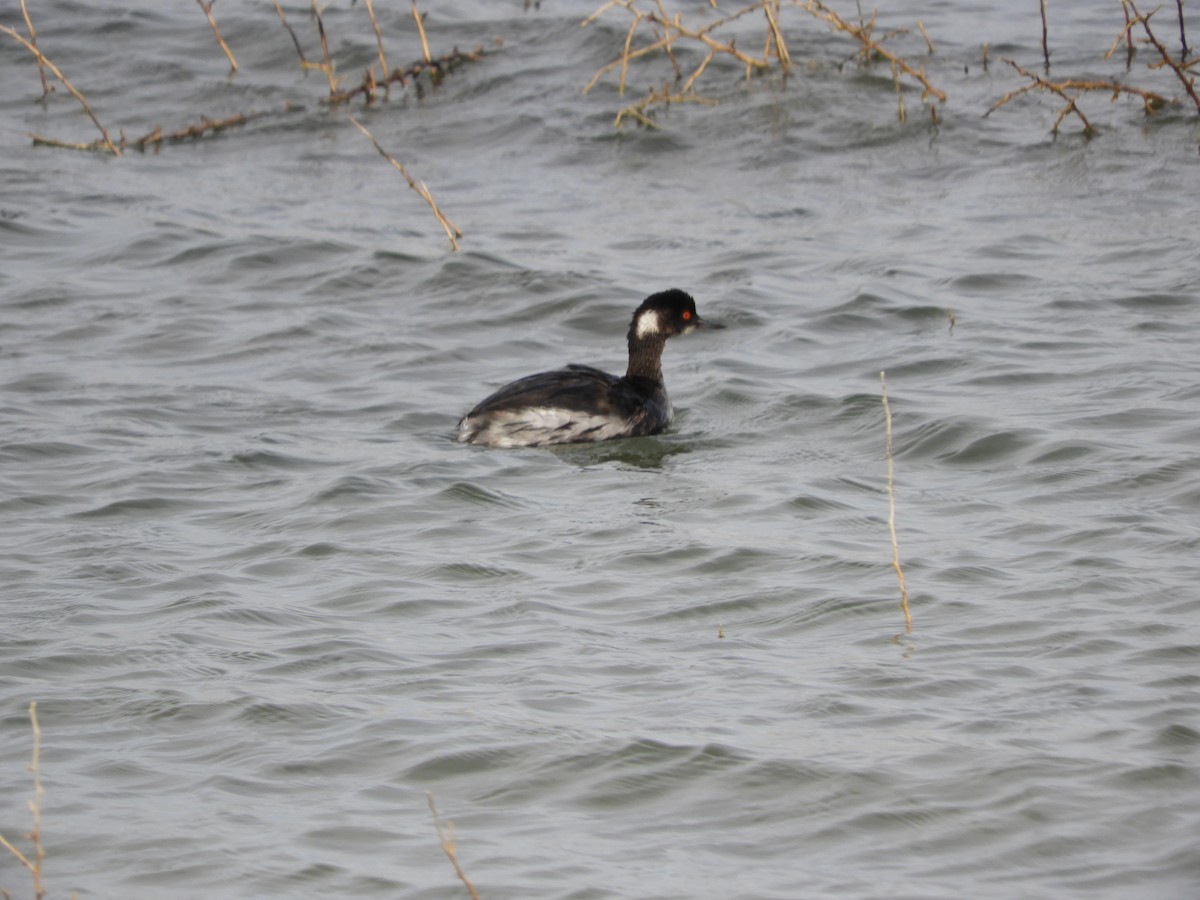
<point>891,489</point>
<point>446,836</point>
<point>35,807</point>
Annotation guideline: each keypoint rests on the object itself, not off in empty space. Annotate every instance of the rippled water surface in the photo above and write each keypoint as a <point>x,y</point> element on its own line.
<point>265,603</point>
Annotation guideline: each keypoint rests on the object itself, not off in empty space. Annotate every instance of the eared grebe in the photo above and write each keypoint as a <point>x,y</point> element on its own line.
<point>580,403</point>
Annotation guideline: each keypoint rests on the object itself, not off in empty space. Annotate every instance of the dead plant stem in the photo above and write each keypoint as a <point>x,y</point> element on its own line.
<point>891,489</point>
<point>449,227</point>
<point>87,107</point>
<point>35,807</point>
<point>33,41</point>
<point>207,7</point>
<point>446,837</point>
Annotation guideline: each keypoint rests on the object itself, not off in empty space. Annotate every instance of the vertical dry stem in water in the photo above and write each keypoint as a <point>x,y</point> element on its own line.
<point>207,7</point>
<point>1045,44</point>
<point>891,478</point>
<point>449,227</point>
<point>446,836</point>
<point>42,69</point>
<point>421,29</point>
<point>35,807</point>
<point>383,66</point>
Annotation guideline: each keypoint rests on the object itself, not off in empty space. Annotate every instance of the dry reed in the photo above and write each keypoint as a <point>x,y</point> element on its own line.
<point>87,107</point>
<point>327,65</point>
<point>891,489</point>
<point>33,42</point>
<point>35,807</point>
<point>304,63</point>
<point>383,66</point>
<point>446,837</point>
<point>1179,67</point>
<point>207,7</point>
<point>417,17</point>
<point>1150,100</point>
<point>872,48</point>
<point>449,227</point>
<point>1045,37</point>
<point>671,30</point>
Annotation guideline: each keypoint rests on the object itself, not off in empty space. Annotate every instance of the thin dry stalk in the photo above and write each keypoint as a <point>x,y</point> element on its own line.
<point>771,10</point>
<point>673,30</point>
<point>327,65</point>
<point>1038,83</point>
<point>1182,33</point>
<point>925,34</point>
<point>87,107</point>
<point>899,93</point>
<point>449,227</point>
<point>383,66</point>
<point>35,807</point>
<point>436,67</point>
<point>446,837</point>
<point>304,63</point>
<point>891,487</point>
<point>1045,35</point>
<point>871,47</point>
<point>33,41</point>
<point>663,97</point>
<point>421,29</point>
<point>207,7</point>
<point>985,56</point>
<point>1177,67</point>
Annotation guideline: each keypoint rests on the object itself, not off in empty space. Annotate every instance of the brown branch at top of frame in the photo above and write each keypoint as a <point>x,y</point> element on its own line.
<point>1177,67</point>
<point>870,47</point>
<point>449,227</point>
<point>207,7</point>
<point>87,107</point>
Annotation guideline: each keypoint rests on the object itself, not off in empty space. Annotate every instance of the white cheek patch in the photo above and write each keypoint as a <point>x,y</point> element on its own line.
<point>648,323</point>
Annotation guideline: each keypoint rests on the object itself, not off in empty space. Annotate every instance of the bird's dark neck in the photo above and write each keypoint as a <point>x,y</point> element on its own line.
<point>645,357</point>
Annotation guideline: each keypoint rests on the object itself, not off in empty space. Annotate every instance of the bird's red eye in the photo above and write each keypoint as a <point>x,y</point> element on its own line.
<point>686,315</point>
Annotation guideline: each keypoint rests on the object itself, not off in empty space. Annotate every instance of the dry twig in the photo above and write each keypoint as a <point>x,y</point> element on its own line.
<point>304,63</point>
<point>450,228</point>
<point>35,807</point>
<point>87,107</point>
<point>872,47</point>
<point>33,42</point>
<point>421,28</point>
<point>383,66</point>
<point>1045,43</point>
<point>1151,101</point>
<point>207,7</point>
<point>663,97</point>
<point>446,837</point>
<point>1178,67</point>
<point>327,65</point>
<point>891,488</point>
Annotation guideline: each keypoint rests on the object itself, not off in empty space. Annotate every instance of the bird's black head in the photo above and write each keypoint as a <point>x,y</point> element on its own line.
<point>664,315</point>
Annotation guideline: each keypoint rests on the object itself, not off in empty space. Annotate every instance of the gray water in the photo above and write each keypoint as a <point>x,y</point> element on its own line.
<point>264,602</point>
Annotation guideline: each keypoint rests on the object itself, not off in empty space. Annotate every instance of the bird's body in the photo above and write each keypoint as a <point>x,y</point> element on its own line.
<point>580,403</point>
